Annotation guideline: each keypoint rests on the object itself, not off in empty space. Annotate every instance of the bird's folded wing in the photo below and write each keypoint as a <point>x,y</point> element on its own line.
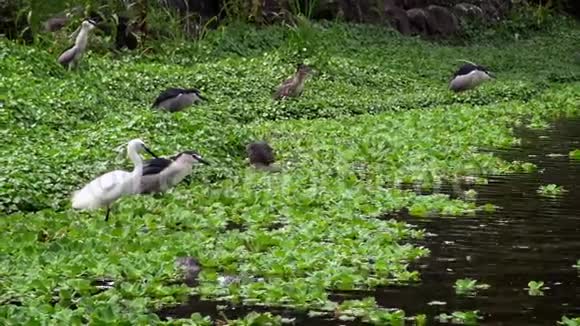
<point>67,56</point>
<point>465,69</point>
<point>156,165</point>
<point>107,182</point>
<point>167,94</point>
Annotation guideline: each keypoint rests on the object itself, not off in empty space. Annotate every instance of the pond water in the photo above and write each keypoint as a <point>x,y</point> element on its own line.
<point>529,238</point>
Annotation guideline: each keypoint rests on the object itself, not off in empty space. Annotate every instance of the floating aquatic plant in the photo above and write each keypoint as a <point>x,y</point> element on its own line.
<point>575,154</point>
<point>536,288</point>
<point>566,321</point>
<point>460,317</point>
<point>551,190</point>
<point>467,286</point>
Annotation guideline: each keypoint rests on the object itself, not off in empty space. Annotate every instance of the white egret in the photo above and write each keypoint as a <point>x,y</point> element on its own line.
<point>106,189</point>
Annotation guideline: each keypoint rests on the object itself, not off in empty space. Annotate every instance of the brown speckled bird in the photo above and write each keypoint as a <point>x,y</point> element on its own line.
<point>261,156</point>
<point>293,87</point>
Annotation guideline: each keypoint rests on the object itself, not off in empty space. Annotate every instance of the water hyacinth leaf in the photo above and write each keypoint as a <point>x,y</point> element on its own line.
<point>575,154</point>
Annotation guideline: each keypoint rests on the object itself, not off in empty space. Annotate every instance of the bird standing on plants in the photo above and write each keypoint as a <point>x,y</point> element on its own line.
<point>293,87</point>
<point>106,189</point>
<point>469,76</point>
<point>177,99</point>
<point>261,156</point>
<point>72,56</point>
<point>160,174</point>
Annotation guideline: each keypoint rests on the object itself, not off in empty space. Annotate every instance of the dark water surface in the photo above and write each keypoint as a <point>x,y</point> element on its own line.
<point>529,238</point>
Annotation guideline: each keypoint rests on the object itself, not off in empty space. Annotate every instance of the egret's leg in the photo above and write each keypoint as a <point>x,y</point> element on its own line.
<point>108,212</point>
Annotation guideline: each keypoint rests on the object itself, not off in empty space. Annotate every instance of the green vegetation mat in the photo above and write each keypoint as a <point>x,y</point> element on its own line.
<point>376,114</point>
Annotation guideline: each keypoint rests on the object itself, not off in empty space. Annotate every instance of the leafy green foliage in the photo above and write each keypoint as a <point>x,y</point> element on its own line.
<point>575,154</point>
<point>569,321</point>
<point>551,190</point>
<point>460,317</point>
<point>368,311</point>
<point>466,286</point>
<point>369,121</point>
<point>536,288</point>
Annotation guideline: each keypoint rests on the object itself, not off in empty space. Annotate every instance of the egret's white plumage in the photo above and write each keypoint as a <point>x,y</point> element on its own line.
<point>106,189</point>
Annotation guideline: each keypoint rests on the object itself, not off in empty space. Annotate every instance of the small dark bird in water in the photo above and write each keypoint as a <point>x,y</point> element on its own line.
<point>293,86</point>
<point>469,76</point>
<point>124,36</point>
<point>160,174</point>
<point>190,267</point>
<point>72,56</point>
<point>261,156</point>
<point>177,99</point>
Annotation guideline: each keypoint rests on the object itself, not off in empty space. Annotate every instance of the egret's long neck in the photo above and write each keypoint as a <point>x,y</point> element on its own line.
<point>137,162</point>
<point>81,40</point>
<point>137,172</point>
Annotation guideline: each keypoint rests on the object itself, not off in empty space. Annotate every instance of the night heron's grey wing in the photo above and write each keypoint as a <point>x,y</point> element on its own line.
<point>167,94</point>
<point>67,56</point>
<point>155,166</point>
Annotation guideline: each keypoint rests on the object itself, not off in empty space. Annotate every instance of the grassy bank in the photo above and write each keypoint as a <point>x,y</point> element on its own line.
<point>377,114</point>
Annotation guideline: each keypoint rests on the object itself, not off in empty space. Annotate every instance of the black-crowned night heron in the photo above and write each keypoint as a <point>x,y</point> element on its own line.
<point>160,174</point>
<point>261,156</point>
<point>106,189</point>
<point>293,86</point>
<point>72,56</point>
<point>177,99</point>
<point>469,76</point>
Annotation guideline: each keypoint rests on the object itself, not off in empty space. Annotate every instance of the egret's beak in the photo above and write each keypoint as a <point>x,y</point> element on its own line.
<point>150,152</point>
<point>492,76</point>
<point>202,97</point>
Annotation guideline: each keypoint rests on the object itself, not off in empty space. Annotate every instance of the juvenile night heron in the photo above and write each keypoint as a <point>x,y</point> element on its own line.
<point>261,156</point>
<point>469,76</point>
<point>160,174</point>
<point>293,86</point>
<point>72,56</point>
<point>106,189</point>
<point>177,99</point>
